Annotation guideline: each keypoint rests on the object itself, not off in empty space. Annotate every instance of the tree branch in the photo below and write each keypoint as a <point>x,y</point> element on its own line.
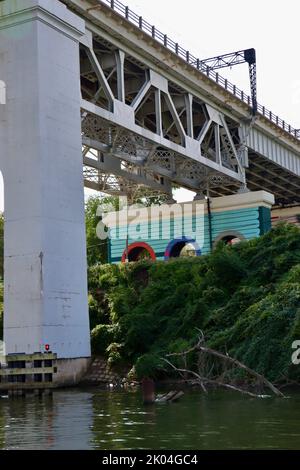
<point>239,364</point>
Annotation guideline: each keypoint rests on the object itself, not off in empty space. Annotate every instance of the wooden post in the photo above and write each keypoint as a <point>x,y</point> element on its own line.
<point>148,390</point>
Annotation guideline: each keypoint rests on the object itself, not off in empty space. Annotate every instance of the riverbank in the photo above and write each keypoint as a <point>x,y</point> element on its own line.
<point>245,299</point>
<point>102,376</point>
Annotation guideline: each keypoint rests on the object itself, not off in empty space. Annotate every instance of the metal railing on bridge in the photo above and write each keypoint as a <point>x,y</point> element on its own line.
<point>173,46</point>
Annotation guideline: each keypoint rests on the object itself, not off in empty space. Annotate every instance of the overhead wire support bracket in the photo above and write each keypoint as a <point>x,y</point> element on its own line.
<point>235,58</point>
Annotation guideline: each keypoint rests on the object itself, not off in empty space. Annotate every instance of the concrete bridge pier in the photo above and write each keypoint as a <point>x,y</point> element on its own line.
<point>41,161</point>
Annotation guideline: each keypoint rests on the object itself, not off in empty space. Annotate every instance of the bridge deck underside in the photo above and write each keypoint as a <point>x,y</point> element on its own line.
<point>264,174</point>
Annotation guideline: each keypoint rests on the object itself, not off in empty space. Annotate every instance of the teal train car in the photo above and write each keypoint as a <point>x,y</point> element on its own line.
<point>168,231</point>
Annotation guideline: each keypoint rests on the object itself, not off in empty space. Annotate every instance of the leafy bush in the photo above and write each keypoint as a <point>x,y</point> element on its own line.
<point>148,365</point>
<point>101,338</point>
<point>114,353</point>
<point>1,309</point>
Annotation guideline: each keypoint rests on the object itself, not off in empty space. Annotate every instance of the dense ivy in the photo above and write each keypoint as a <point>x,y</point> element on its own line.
<point>1,309</point>
<point>1,272</point>
<point>245,298</point>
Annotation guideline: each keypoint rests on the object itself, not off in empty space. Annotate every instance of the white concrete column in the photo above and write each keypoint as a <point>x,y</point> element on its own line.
<point>40,156</point>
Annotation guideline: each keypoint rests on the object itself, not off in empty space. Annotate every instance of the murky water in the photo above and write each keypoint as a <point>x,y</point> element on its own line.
<point>92,419</point>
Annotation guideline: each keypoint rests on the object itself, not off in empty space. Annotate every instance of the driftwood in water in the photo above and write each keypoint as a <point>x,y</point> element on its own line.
<point>148,392</point>
<point>199,379</point>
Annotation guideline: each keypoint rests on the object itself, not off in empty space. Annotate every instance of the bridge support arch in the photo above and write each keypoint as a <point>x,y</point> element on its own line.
<point>45,296</point>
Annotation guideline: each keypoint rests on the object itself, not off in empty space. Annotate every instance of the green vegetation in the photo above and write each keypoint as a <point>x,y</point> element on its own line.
<point>245,298</point>
<point>1,310</point>
<point>96,248</point>
<point>1,272</point>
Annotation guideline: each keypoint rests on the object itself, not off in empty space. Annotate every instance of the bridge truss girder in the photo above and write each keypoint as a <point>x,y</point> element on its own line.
<point>149,132</point>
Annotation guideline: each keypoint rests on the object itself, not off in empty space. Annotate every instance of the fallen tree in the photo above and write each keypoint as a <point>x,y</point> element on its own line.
<point>198,377</point>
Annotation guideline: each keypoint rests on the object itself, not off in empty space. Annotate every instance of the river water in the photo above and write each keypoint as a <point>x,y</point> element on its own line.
<point>111,420</point>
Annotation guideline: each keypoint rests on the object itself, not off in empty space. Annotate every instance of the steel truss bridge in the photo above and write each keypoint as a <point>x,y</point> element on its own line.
<point>154,115</point>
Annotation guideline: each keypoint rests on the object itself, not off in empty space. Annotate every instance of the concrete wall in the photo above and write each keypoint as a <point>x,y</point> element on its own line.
<point>45,297</point>
<point>71,371</point>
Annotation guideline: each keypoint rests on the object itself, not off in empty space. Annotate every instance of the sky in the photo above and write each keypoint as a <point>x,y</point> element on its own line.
<point>209,28</point>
